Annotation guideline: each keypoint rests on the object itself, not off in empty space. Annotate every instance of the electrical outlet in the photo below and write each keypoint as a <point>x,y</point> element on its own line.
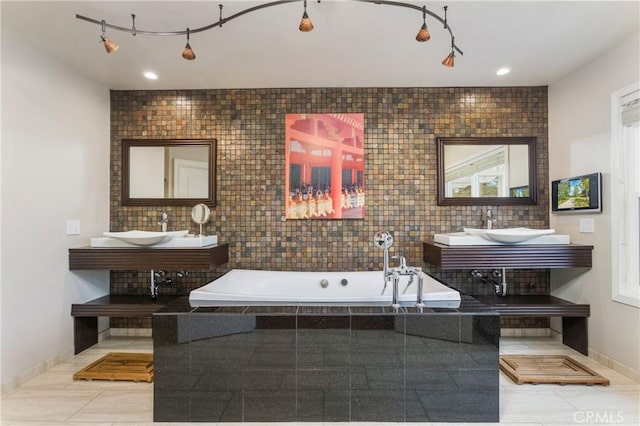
<point>587,225</point>
<point>73,227</point>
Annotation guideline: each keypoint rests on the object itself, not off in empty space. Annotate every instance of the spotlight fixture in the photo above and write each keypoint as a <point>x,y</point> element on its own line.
<point>448,61</point>
<point>423,35</point>
<point>188,53</point>
<point>109,45</point>
<point>305,23</point>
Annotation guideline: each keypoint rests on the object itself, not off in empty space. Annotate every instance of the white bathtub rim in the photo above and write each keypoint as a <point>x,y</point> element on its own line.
<point>218,292</point>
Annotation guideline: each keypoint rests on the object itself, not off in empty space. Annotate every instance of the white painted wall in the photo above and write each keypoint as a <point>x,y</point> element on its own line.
<point>579,143</point>
<point>55,166</point>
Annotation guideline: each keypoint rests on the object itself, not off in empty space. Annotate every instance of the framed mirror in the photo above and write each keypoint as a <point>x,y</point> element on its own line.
<point>168,172</point>
<point>488,171</point>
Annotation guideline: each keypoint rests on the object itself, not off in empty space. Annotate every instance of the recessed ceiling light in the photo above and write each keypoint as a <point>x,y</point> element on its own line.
<point>151,75</point>
<point>503,71</point>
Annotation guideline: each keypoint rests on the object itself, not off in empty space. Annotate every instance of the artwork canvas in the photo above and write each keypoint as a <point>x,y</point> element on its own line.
<point>324,171</point>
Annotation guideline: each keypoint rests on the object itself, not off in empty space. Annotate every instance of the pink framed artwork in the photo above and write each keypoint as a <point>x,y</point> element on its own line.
<point>324,173</point>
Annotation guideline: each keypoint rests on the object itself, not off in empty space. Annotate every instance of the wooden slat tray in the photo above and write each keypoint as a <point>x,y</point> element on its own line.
<point>137,367</point>
<point>557,369</point>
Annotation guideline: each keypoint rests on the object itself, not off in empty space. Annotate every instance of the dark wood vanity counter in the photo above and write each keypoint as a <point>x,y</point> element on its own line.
<point>507,256</point>
<point>138,258</point>
<point>86,314</point>
<point>574,316</point>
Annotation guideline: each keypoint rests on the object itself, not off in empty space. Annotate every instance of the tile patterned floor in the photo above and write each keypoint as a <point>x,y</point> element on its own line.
<point>55,399</point>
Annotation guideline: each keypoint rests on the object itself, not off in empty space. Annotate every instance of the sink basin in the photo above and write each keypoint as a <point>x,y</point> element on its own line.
<point>144,238</point>
<point>487,237</point>
<point>509,235</point>
<point>148,239</point>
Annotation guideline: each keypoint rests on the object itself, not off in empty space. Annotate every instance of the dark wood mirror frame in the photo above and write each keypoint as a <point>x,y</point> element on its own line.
<point>210,200</point>
<point>468,201</point>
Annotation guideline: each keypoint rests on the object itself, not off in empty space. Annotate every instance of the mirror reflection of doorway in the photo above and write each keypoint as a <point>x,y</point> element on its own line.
<point>190,178</point>
<point>325,166</point>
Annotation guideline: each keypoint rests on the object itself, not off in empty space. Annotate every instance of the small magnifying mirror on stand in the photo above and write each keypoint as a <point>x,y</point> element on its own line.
<point>200,214</point>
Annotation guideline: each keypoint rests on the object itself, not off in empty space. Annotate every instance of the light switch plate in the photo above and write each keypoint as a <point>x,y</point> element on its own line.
<point>73,227</point>
<point>587,225</point>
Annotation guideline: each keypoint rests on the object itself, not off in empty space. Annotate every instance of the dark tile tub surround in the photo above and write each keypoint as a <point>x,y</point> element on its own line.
<point>401,126</point>
<point>334,364</point>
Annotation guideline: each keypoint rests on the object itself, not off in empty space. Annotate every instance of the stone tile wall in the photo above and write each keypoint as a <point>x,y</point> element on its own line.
<point>401,125</point>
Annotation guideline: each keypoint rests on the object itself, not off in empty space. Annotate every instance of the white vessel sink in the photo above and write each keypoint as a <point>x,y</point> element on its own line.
<point>486,237</point>
<point>153,239</point>
<point>143,238</point>
<point>509,235</point>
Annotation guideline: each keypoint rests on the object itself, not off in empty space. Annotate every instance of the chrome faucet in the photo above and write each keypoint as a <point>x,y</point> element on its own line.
<point>498,280</point>
<point>163,222</point>
<point>402,262</point>
<point>491,219</point>
<point>155,284</point>
<point>384,240</point>
<point>412,272</point>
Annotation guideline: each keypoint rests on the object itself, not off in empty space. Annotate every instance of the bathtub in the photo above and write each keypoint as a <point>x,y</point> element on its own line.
<point>251,287</point>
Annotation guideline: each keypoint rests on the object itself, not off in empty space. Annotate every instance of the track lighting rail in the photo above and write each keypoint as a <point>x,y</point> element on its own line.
<point>223,20</point>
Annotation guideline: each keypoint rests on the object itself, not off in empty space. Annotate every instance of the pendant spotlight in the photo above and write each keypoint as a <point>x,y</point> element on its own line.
<point>188,53</point>
<point>448,61</point>
<point>305,23</point>
<point>305,26</point>
<point>109,45</point>
<point>423,35</point>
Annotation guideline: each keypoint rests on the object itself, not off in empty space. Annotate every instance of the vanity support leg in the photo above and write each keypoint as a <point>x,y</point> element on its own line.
<point>574,333</point>
<point>85,333</point>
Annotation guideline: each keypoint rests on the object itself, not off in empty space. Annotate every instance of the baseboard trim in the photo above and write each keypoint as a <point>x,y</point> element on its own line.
<point>525,332</point>
<point>602,359</point>
<point>36,370</point>
<point>129,332</point>
<point>617,366</point>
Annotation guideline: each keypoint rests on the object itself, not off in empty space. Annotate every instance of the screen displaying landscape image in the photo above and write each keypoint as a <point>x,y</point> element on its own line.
<point>573,193</point>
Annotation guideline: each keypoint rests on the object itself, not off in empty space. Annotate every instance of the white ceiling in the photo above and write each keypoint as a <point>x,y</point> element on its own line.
<point>353,44</point>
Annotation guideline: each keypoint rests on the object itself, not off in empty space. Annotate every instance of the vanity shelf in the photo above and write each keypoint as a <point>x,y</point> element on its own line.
<point>507,256</point>
<point>138,258</point>
<point>574,315</point>
<point>85,315</point>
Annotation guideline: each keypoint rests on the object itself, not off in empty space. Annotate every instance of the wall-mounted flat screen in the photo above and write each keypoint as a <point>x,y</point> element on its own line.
<point>577,194</point>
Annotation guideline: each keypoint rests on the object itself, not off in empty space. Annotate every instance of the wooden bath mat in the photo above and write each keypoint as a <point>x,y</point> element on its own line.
<point>135,367</point>
<point>558,369</point>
